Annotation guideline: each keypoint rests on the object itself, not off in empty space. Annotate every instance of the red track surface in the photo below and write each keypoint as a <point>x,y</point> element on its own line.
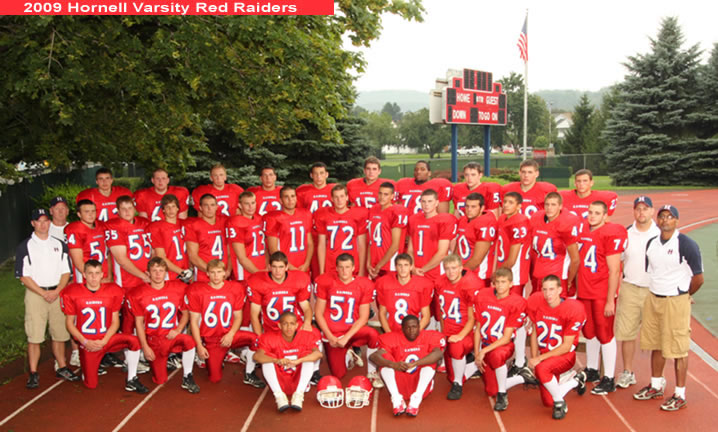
<point>228,405</point>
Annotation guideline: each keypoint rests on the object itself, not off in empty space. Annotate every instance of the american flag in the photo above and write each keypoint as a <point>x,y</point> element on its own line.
<point>523,43</point>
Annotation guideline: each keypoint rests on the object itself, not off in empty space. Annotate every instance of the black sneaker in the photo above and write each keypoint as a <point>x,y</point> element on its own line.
<point>592,375</point>
<point>134,385</point>
<point>528,376</point>
<point>33,381</point>
<point>66,374</point>
<point>476,375</point>
<point>110,360</point>
<point>513,371</point>
<point>171,364</point>
<point>581,379</point>
<point>101,371</point>
<point>607,385</point>
<point>315,378</point>
<point>189,384</point>
<point>455,392</point>
<point>502,402</point>
<point>470,358</point>
<point>253,380</point>
<point>559,410</point>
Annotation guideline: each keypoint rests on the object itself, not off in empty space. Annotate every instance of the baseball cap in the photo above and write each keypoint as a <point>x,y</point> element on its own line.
<point>670,208</point>
<point>39,212</point>
<point>57,200</point>
<point>642,199</point>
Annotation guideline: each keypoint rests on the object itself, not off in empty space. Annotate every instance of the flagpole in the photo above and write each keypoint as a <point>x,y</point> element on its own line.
<point>526,90</point>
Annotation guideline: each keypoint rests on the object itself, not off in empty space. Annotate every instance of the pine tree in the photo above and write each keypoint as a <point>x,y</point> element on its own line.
<point>577,137</point>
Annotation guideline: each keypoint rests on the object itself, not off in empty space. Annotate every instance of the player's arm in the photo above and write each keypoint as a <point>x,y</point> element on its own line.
<point>194,319</point>
<point>361,251</point>
<point>143,214</point>
<point>322,252</point>
<point>443,207</point>
<point>310,254</point>
<point>425,317</point>
<point>534,343</point>
<point>228,337</point>
<point>74,332</point>
<point>558,351</point>
<point>358,324</point>
<point>378,359</point>
<point>119,254</point>
<point>614,278</point>
<point>142,336</point>
<point>393,248</point>
<point>442,249</point>
<point>311,357</point>
<point>512,256</point>
<point>261,357</point>
<point>468,327</point>
<point>160,252</point>
<point>308,315</point>
<point>320,306</point>
<point>272,244</point>
<point>193,254</point>
<point>255,311</point>
<point>433,357</point>
<point>481,248</point>
<point>241,253</point>
<point>503,340</point>
<point>184,319</point>
<point>77,258</point>
<point>575,261</point>
<point>183,214</point>
<point>383,320</point>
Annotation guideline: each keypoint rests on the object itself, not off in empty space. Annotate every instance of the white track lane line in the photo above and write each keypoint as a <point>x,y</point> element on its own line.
<point>698,223</point>
<point>702,385</point>
<point>500,422</point>
<point>30,402</point>
<point>144,401</point>
<point>248,422</point>
<point>374,409</point>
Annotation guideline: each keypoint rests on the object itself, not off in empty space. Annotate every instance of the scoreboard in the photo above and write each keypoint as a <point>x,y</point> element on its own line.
<point>473,98</point>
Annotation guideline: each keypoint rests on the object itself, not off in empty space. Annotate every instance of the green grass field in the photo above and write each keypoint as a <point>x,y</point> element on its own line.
<point>12,312</point>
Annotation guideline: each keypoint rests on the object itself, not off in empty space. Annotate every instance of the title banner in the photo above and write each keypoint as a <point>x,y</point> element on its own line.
<point>189,7</point>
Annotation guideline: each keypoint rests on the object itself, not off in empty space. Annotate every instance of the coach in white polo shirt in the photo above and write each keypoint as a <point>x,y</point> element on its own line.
<point>673,263</point>
<point>43,265</point>
<point>634,286</point>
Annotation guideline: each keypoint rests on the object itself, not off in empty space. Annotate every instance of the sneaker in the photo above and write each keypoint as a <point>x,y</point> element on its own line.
<point>33,381</point>
<point>592,375</point>
<point>134,385</point>
<point>476,375</point>
<point>581,379</point>
<point>315,378</point>
<point>75,358</point>
<point>357,359</point>
<point>440,369</point>
<point>412,411</point>
<point>559,410</point>
<point>189,384</point>
<point>376,380</point>
<point>399,407</point>
<point>414,401</point>
<point>354,359</point>
<point>513,371</point>
<point>648,393</point>
<point>253,380</point>
<point>101,371</point>
<point>110,360</point>
<point>674,403</point>
<point>297,401</point>
<point>142,368</point>
<point>455,392</point>
<point>607,385</point>
<point>502,402</point>
<point>528,376</point>
<point>626,379</point>
<point>232,358</point>
<point>199,362</point>
<point>66,374</point>
<point>282,401</point>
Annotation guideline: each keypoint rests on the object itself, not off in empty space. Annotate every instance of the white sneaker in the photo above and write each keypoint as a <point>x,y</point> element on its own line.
<point>297,401</point>
<point>282,401</point>
<point>626,379</point>
<point>232,358</point>
<point>358,361</point>
<point>349,359</point>
<point>375,379</point>
<point>75,358</point>
<point>415,400</point>
<point>199,362</point>
<point>142,368</point>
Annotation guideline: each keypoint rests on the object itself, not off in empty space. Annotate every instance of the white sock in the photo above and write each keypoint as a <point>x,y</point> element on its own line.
<point>657,383</point>
<point>513,381</point>
<point>426,374</point>
<point>470,369</point>
<point>317,362</point>
<point>501,373</point>
<point>132,358</point>
<point>433,325</point>
<point>555,390</point>
<point>389,378</point>
<point>680,392</point>
<point>370,366</point>
<point>270,376</point>
<point>567,387</point>
<point>251,365</point>
<point>520,347</point>
<point>608,355</point>
<point>188,361</point>
<point>305,376</point>
<point>593,349</point>
<point>459,366</point>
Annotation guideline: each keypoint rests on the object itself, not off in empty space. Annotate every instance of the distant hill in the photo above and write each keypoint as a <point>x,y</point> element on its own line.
<point>566,100</point>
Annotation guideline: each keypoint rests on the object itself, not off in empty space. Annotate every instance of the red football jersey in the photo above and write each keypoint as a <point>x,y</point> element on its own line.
<point>92,309</point>
<point>343,300</point>
<point>92,243</point>
<point>171,238</point>
<point>341,231</point>
<point>515,230</point>
<point>216,306</point>
<point>481,229</point>
<point>312,199</point>
<point>494,315</point>
<point>106,205</point>
<point>532,198</point>
<point>594,247</point>
<point>381,223</point>
<point>455,300</point>
<point>275,298</point>
<point>489,190</point>
<point>249,232</point>
<point>364,195</point>
<point>409,192</point>
<point>136,237</point>
<point>402,349</point>
<point>425,235</point>
<point>549,243</point>
<point>553,324</point>
<point>291,230</point>
<point>267,201</point>
<point>227,198</point>
<point>212,241</point>
<point>579,206</point>
<point>161,308</point>
<point>274,345</point>
<point>149,201</point>
<point>402,300</point>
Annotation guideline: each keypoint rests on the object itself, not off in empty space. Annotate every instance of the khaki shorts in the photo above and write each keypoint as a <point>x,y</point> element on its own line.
<point>629,310</point>
<point>667,325</point>
<point>38,313</point>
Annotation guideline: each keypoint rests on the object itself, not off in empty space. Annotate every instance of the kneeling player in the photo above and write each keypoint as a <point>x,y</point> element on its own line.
<point>343,322</point>
<point>287,358</point>
<point>556,326</point>
<point>408,364</point>
<point>156,308</point>
<point>94,307</point>
<point>215,309</point>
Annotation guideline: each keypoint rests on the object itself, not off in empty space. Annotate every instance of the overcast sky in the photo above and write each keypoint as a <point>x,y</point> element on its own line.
<point>572,44</point>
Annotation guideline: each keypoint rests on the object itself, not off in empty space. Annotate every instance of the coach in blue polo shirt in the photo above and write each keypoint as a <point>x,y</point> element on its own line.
<point>673,263</point>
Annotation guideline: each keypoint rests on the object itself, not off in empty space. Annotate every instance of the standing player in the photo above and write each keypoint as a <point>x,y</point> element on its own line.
<point>341,229</point>
<point>288,357</point>
<point>400,294</point>
<point>86,240</point>
<point>104,195</point>
<point>168,240</point>
<point>205,237</point>
<point>267,194</point>
<point>160,317</point>
<point>290,231</point>
<point>556,326</point>
<point>226,194</point>
<point>430,234</point>
<point>342,312</point>
<point>149,200</point>
<point>318,193</point>
<point>245,233</point>
<point>532,192</point>
<point>407,359</point>
<point>476,236</point>
<point>555,235</point>
<point>387,232</point>
<point>92,311</point>
<point>409,190</point>
<point>364,192</point>
<point>578,200</point>
<point>215,309</point>
<point>491,192</point>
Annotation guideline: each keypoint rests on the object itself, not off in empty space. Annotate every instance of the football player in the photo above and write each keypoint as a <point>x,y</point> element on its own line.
<point>86,240</point>
<point>318,193</point>
<point>409,190</point>
<point>532,191</point>
<point>477,231</point>
<point>104,195</point>
<point>245,233</point>
<point>205,237</point>
<point>267,194</point>
<point>149,200</point>
<point>387,232</point>
<point>226,194</point>
<point>290,231</point>
<point>167,237</point>
<point>364,191</point>
<point>578,200</point>
<point>400,294</point>
<point>430,234</point>
<point>491,192</point>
